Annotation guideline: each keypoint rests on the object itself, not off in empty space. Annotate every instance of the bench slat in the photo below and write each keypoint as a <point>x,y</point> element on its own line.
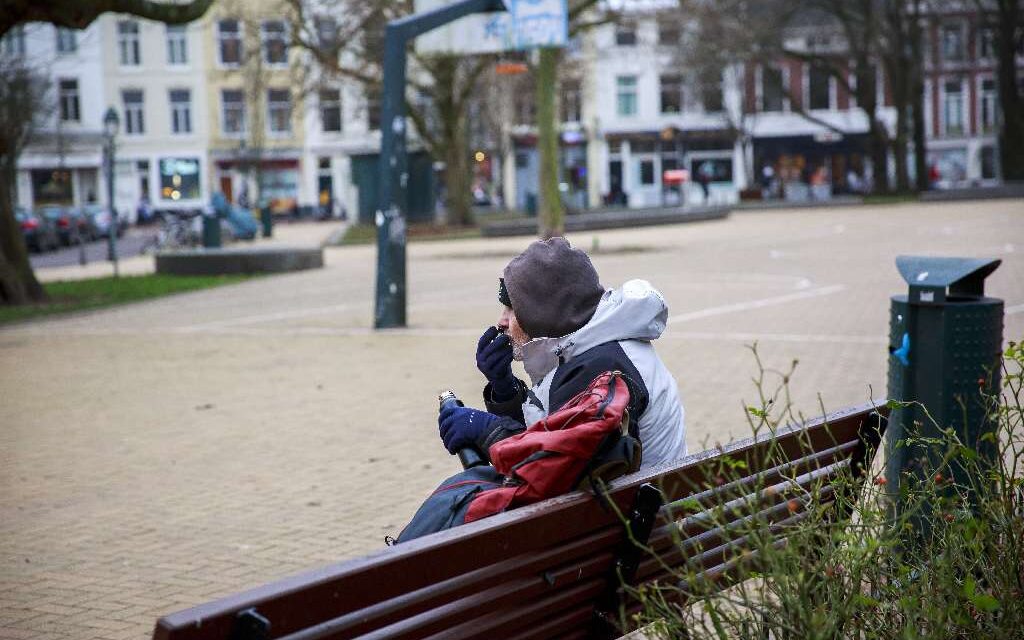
<point>429,598</point>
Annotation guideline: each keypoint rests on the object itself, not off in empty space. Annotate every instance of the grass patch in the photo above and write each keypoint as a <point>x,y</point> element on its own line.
<point>96,293</point>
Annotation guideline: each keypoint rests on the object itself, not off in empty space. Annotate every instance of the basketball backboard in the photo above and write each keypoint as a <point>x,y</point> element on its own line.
<point>527,24</point>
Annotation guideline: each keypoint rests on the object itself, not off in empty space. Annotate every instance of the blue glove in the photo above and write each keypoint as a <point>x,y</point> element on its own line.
<point>463,427</point>
<point>494,360</point>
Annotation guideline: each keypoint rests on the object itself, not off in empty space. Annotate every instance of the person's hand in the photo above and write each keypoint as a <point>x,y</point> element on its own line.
<point>494,360</point>
<point>463,427</point>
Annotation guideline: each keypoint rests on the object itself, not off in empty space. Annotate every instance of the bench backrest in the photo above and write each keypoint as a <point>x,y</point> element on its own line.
<point>545,570</point>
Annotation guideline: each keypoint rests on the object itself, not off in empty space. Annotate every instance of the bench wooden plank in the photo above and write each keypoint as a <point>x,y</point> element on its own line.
<point>538,571</point>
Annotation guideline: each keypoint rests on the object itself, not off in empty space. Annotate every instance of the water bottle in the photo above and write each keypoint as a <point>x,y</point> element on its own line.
<point>468,456</point>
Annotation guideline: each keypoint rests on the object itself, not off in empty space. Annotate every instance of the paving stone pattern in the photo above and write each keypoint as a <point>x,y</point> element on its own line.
<point>162,454</point>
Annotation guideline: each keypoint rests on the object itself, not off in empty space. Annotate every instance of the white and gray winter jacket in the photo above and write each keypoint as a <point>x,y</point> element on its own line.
<point>617,337</point>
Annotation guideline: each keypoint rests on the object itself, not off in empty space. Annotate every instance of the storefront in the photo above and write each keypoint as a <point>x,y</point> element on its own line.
<point>278,185</point>
<point>572,179</point>
<point>179,179</point>
<point>810,167</point>
<point>658,169</point>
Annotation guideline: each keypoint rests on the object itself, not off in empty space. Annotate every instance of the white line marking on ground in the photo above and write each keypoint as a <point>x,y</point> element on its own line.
<point>757,304</point>
<point>773,337</point>
<point>267,317</point>
<point>1017,308</point>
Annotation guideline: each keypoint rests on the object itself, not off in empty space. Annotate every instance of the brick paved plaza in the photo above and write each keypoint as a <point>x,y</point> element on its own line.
<point>159,455</point>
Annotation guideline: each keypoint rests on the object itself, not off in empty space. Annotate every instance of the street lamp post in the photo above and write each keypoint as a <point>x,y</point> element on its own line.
<point>111,123</point>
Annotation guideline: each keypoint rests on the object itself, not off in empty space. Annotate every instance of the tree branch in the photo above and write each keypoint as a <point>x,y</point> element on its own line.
<point>77,14</point>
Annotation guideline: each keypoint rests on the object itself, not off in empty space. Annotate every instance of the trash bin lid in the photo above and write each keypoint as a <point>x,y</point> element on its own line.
<point>965,277</point>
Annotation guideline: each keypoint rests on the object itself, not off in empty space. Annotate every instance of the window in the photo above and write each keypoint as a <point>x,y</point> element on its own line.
<point>67,40</point>
<point>177,45</point>
<point>330,110</point>
<point>134,123</point>
<point>181,111</point>
<point>275,44</point>
<point>771,89</point>
<point>625,98</point>
<point>525,108</point>
<point>989,163</point>
<point>229,42</point>
<point>327,33</point>
<point>953,107</point>
<point>69,107</point>
<point>571,107</point>
<point>819,94</point>
<point>128,43</point>
<point>952,43</point>
<point>668,33</point>
<point>671,94</point>
<point>989,100</point>
<point>711,94</point>
<point>279,111</point>
<point>232,111</point>
<point>646,172</point>
<point>13,42</point>
<point>373,107</point>
<point>625,34</point>
<point>179,178</point>
<point>986,43</point>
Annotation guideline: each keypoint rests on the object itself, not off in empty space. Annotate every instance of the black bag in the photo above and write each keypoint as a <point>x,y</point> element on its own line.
<point>447,506</point>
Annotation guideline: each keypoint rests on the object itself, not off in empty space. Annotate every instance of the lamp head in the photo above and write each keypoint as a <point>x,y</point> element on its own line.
<point>111,123</point>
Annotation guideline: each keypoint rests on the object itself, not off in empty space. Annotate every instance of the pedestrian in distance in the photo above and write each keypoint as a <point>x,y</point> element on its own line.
<point>566,329</point>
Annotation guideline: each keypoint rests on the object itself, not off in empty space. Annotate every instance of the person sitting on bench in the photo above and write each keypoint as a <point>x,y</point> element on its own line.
<point>567,329</point>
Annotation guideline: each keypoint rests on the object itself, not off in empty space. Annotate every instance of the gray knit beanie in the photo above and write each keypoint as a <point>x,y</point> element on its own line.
<point>553,288</point>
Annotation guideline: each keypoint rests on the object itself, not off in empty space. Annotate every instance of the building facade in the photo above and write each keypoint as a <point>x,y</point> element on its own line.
<point>228,105</point>
<point>154,78</point>
<point>63,165</point>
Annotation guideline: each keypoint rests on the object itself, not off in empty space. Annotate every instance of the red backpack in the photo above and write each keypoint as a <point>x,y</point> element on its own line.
<point>586,440</point>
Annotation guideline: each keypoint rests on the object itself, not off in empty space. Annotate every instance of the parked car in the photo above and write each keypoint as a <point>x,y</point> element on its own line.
<point>71,224</point>
<point>39,233</point>
<point>99,217</point>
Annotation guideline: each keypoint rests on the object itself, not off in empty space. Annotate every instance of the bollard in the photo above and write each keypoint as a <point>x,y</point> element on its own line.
<point>267,218</point>
<point>211,229</point>
<point>945,346</point>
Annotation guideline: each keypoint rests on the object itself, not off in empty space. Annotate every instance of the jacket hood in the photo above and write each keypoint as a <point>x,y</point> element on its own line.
<point>634,311</point>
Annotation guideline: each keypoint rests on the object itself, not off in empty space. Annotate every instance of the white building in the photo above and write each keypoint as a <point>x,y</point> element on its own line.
<point>64,164</point>
<point>156,82</point>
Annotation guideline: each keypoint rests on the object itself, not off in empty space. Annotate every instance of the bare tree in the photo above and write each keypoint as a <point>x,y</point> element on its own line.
<point>1006,20</point>
<point>24,105</point>
<point>720,44</point>
<point>583,15</point>
<point>346,40</point>
<point>858,24</point>
<point>79,14</point>
<point>23,99</point>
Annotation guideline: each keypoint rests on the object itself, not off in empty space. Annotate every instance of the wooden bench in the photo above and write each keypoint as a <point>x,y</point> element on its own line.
<point>553,569</point>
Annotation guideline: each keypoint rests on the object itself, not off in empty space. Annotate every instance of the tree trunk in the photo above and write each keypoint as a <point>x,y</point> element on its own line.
<point>18,284</point>
<point>458,175</point>
<point>1011,137</point>
<point>900,98</point>
<point>551,221</point>
<point>920,144</point>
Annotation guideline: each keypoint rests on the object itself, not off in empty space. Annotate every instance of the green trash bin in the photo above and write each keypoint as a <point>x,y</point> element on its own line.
<point>211,229</point>
<point>945,346</point>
